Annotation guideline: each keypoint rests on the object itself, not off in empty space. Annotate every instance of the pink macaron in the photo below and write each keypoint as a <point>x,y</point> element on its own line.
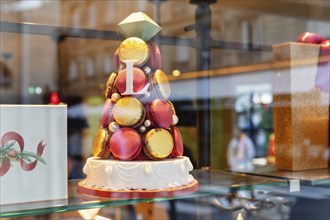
<point>107,115</point>
<point>178,144</point>
<point>125,144</point>
<point>139,80</point>
<point>160,113</point>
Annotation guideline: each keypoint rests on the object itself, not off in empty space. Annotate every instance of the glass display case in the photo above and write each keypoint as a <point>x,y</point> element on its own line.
<point>238,91</point>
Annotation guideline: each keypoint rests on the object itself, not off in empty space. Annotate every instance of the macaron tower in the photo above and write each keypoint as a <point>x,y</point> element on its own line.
<point>138,122</point>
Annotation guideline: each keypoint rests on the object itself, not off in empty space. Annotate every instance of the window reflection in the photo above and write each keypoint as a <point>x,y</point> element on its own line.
<point>76,18</point>
<point>92,12</point>
<point>73,71</point>
<point>110,14</point>
<point>108,66</point>
<point>90,67</point>
<point>94,57</point>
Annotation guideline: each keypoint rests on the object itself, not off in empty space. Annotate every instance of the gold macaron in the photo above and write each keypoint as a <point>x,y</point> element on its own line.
<point>100,146</point>
<point>129,111</point>
<point>135,49</point>
<point>158,143</point>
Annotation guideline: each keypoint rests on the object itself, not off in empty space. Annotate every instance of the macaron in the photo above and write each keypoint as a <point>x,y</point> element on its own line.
<point>110,85</point>
<point>134,48</point>
<point>155,59</point>
<point>139,80</point>
<point>160,85</point>
<point>107,115</point>
<point>178,144</point>
<point>100,146</point>
<point>158,144</point>
<point>129,111</point>
<point>160,113</point>
<point>125,144</point>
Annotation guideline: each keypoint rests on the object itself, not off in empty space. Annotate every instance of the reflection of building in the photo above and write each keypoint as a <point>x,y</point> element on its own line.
<point>33,62</point>
<point>80,66</point>
<point>84,63</point>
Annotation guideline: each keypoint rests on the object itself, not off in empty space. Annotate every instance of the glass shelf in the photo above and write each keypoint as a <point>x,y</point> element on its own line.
<point>306,177</point>
<point>210,183</point>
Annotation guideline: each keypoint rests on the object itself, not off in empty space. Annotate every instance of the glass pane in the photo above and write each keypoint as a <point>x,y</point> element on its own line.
<point>246,96</point>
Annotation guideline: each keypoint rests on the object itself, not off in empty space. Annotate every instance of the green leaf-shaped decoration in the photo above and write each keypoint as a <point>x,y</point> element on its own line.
<point>7,148</point>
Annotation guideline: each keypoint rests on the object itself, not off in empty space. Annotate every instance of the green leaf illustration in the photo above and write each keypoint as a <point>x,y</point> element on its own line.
<point>7,148</point>
<point>28,156</point>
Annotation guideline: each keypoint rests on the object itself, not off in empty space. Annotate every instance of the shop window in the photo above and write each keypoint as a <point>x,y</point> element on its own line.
<point>182,54</point>
<point>251,33</point>
<point>141,5</point>
<point>73,71</point>
<point>92,11</point>
<point>76,18</point>
<point>245,32</point>
<point>90,67</point>
<point>110,12</point>
<point>257,32</point>
<point>108,66</point>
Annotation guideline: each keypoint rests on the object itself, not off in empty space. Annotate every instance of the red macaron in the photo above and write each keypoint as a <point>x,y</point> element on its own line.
<point>125,144</point>
<point>160,113</point>
<point>139,80</point>
<point>107,115</point>
<point>178,144</point>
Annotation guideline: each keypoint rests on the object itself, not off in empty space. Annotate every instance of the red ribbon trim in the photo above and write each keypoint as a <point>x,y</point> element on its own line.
<point>13,136</point>
<point>5,165</point>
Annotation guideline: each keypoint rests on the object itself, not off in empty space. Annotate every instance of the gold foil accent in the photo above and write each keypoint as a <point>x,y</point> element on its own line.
<point>159,143</point>
<point>110,85</point>
<point>99,142</point>
<point>172,107</point>
<point>128,111</point>
<point>162,85</point>
<point>134,48</point>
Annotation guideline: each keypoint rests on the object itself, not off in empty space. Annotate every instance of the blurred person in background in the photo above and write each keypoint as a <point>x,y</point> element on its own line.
<point>241,152</point>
